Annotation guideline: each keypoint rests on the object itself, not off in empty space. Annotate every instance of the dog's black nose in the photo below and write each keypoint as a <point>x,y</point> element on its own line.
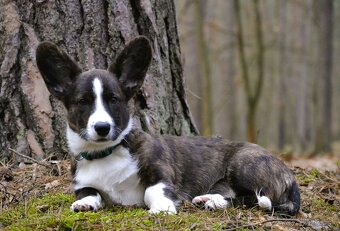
<point>102,128</point>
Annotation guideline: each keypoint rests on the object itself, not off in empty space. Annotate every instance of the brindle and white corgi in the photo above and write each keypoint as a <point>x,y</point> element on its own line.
<point>115,162</point>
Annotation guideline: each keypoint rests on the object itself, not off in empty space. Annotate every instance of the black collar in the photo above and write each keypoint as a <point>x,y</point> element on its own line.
<point>97,154</point>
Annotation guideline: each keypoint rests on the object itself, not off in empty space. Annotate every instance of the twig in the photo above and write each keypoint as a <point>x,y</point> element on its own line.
<point>34,172</point>
<point>193,93</point>
<point>57,163</point>
<point>327,177</point>
<point>29,158</point>
<point>267,221</point>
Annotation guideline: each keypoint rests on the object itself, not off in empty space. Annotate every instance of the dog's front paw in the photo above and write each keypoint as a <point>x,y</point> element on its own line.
<point>165,206</point>
<point>211,201</point>
<point>156,200</point>
<point>89,203</point>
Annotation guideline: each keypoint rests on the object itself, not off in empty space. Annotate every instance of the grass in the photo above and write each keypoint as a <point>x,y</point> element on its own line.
<point>308,177</point>
<point>49,210</point>
<point>52,212</point>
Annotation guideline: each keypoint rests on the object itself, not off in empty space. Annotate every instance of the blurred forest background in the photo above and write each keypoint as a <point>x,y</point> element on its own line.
<point>265,71</point>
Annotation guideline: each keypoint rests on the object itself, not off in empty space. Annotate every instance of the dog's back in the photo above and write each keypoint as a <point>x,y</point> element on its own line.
<point>240,172</point>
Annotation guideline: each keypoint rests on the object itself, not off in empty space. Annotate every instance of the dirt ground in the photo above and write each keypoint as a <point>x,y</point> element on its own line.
<point>33,180</point>
<point>319,179</point>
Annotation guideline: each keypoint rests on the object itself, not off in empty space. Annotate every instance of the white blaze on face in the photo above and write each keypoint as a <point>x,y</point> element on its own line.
<point>99,114</point>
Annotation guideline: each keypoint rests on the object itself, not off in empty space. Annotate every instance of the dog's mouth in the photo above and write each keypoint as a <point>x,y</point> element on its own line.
<point>101,140</point>
<point>96,139</point>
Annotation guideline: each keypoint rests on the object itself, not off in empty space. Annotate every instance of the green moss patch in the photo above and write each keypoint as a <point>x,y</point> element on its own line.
<point>29,205</point>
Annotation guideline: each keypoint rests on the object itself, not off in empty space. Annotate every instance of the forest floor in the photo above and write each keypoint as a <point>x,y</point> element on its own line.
<point>36,197</point>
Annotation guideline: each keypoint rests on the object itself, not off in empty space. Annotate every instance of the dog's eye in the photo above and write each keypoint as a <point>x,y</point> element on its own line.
<point>83,101</point>
<point>113,99</point>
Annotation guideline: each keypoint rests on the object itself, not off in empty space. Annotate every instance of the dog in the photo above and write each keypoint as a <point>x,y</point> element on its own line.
<point>114,162</point>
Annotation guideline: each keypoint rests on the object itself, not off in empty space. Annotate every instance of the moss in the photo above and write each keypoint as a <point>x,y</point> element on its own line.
<point>319,205</point>
<point>38,213</point>
<point>51,212</point>
<point>306,178</point>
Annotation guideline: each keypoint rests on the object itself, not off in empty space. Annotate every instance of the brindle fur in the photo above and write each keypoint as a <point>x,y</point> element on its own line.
<point>189,166</point>
<point>194,166</point>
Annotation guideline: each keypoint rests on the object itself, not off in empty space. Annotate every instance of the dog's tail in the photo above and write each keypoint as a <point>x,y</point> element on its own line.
<point>292,205</point>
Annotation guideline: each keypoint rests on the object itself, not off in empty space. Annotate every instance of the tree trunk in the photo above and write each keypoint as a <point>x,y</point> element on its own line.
<point>324,94</point>
<point>303,122</point>
<point>253,95</point>
<point>204,68</point>
<point>230,117</point>
<point>93,32</point>
<point>282,77</point>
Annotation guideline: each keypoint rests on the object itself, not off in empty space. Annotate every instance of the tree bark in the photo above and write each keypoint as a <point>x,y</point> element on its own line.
<point>93,32</point>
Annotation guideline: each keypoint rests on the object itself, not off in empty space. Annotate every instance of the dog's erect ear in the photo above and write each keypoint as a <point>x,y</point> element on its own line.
<point>56,67</point>
<point>132,64</point>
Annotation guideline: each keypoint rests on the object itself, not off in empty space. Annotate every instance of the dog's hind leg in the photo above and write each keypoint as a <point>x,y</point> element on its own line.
<point>211,201</point>
<point>88,199</point>
<point>218,197</point>
<point>263,201</point>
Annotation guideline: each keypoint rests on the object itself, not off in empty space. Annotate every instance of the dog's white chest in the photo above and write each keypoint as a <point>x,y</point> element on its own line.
<point>115,176</point>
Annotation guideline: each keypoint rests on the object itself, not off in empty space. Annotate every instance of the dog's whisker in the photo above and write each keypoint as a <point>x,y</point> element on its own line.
<point>126,141</point>
<point>83,133</point>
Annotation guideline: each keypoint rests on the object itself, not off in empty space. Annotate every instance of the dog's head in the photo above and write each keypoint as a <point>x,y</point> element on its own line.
<point>96,100</point>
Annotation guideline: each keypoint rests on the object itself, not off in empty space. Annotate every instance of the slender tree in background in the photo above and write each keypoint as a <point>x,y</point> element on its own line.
<point>282,76</point>
<point>92,32</point>
<point>253,94</point>
<point>303,122</point>
<point>204,68</point>
<point>323,139</point>
<point>228,69</point>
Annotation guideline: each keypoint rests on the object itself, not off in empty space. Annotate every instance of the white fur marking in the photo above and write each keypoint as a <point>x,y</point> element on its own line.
<point>263,201</point>
<point>77,145</point>
<point>211,201</point>
<point>156,200</point>
<point>116,176</point>
<point>89,203</point>
<point>99,114</point>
